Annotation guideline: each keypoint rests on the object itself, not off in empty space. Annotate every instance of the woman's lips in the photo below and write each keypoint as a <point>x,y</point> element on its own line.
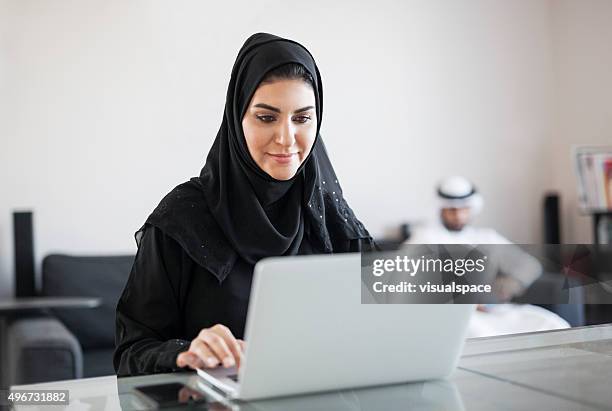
<point>283,158</point>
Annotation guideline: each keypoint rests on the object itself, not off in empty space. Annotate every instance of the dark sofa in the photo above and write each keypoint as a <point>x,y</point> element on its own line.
<point>69,343</point>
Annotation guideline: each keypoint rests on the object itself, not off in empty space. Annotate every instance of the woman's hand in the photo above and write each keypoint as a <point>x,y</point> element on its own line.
<point>212,347</point>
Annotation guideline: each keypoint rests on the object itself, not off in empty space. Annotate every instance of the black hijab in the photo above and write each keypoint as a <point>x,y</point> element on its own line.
<point>234,208</point>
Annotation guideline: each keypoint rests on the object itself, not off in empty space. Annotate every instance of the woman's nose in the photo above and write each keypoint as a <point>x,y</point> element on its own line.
<point>285,134</point>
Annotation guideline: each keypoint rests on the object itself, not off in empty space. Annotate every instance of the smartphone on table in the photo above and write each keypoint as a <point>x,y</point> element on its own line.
<point>170,395</point>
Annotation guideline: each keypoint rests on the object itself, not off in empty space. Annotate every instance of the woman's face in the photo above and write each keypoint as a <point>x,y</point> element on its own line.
<point>280,126</point>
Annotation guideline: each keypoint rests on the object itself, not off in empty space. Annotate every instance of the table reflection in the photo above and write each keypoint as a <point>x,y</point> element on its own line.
<point>439,395</point>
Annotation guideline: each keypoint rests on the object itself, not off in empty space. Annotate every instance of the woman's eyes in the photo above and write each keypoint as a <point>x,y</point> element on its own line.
<point>266,118</point>
<point>301,119</point>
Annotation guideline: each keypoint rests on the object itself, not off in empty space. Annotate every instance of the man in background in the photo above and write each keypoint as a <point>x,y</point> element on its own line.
<point>459,202</point>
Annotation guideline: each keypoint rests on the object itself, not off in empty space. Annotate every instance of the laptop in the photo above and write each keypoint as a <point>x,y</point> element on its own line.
<point>308,331</point>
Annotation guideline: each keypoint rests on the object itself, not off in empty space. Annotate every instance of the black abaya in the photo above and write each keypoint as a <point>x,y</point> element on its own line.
<point>198,248</point>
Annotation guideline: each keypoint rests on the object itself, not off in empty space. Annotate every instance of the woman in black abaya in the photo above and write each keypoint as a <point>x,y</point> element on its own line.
<point>267,189</point>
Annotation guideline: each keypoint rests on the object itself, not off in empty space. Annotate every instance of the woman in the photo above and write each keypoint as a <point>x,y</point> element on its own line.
<point>267,189</point>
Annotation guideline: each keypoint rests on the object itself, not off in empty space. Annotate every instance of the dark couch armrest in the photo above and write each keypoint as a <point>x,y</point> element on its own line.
<point>41,349</point>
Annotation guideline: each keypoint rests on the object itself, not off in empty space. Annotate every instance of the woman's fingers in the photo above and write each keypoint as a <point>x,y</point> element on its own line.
<point>213,346</point>
<point>189,359</point>
<point>231,341</point>
<point>204,352</point>
<point>198,356</point>
<point>219,347</point>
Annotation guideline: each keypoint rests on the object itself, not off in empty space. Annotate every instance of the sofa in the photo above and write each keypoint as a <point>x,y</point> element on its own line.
<point>72,343</point>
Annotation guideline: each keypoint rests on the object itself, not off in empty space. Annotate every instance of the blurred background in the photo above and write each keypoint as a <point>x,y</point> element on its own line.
<point>106,105</point>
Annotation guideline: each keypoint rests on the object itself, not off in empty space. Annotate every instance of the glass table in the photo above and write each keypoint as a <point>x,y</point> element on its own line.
<point>555,370</point>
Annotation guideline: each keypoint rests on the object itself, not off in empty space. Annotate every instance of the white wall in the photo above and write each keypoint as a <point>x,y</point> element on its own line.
<point>106,105</point>
<point>583,63</point>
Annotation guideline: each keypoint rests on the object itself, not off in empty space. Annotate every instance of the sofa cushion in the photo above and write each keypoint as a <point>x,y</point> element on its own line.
<point>101,277</point>
<point>41,349</point>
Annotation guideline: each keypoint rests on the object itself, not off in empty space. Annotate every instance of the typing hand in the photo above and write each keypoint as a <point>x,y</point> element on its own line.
<point>213,347</point>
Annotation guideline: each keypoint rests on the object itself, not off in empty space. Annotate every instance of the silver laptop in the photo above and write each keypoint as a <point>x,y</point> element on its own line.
<point>308,331</point>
